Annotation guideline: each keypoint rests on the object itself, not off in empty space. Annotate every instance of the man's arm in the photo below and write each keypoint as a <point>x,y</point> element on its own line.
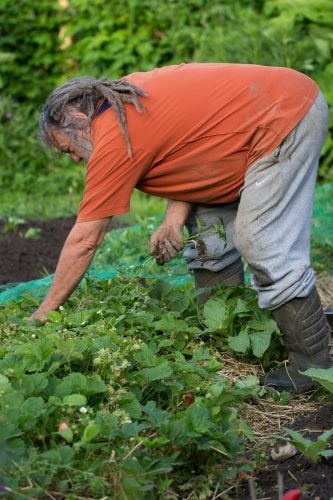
<point>76,255</point>
<point>167,240</point>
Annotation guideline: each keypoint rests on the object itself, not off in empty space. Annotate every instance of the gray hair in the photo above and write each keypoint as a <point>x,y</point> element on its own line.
<point>84,93</point>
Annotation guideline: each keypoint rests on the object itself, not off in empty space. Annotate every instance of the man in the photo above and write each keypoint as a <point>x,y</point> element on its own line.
<point>237,143</point>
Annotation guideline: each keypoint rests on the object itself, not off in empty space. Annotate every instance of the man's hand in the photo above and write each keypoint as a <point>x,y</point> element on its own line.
<point>166,242</point>
<point>75,258</point>
<point>38,315</point>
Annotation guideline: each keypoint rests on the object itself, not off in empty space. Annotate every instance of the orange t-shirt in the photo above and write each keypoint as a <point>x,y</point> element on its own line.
<point>203,126</point>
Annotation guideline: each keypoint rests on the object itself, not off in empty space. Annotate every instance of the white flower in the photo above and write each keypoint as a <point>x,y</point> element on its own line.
<point>83,409</point>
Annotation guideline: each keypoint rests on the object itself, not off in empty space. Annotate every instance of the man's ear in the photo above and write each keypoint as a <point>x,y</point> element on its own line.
<point>73,114</point>
<point>78,115</point>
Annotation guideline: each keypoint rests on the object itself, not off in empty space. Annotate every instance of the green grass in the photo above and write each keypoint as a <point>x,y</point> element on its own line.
<point>45,206</point>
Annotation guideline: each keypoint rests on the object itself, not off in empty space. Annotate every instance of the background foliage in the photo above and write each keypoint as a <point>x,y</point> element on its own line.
<point>43,43</point>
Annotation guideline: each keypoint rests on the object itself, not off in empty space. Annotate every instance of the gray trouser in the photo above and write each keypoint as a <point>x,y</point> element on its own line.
<point>270,224</point>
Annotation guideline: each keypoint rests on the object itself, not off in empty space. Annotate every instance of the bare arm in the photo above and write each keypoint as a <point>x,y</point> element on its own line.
<point>76,255</point>
<point>167,240</point>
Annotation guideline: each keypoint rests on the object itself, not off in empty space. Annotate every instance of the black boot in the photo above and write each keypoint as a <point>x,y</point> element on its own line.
<point>306,334</point>
<point>232,275</point>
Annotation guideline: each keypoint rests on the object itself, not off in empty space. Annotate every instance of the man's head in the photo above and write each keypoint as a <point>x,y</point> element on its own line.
<point>65,121</point>
<point>74,140</point>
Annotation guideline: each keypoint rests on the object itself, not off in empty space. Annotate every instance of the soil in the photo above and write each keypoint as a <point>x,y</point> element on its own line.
<point>315,480</point>
<point>25,259</point>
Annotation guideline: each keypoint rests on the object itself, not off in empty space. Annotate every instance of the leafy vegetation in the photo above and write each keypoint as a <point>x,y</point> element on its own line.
<point>312,450</point>
<point>324,377</point>
<point>120,389</point>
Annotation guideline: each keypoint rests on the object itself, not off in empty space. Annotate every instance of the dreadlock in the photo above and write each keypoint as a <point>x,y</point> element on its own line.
<point>84,93</point>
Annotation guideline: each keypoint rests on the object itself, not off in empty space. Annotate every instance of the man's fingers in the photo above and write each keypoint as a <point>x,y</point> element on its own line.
<point>164,249</point>
<point>160,260</point>
<point>178,245</point>
<point>169,249</point>
<point>155,241</point>
<point>154,248</point>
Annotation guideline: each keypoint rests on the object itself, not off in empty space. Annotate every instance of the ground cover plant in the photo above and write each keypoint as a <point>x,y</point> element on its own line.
<point>117,394</point>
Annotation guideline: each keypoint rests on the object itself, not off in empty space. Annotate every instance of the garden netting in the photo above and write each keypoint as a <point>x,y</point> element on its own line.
<point>125,252</point>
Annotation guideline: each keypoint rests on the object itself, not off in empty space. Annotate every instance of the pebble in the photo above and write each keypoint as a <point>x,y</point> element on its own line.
<point>282,451</point>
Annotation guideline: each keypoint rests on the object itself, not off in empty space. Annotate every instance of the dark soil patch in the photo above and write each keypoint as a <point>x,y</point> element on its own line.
<point>24,258</point>
<point>315,480</point>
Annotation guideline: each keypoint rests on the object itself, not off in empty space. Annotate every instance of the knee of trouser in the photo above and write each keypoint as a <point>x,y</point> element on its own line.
<point>254,251</point>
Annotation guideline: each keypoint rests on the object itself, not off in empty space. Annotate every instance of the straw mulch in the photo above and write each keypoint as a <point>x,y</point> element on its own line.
<point>325,290</point>
<point>265,416</point>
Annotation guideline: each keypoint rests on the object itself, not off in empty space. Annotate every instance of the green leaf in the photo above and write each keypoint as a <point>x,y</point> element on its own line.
<point>249,385</point>
<point>90,432</point>
<point>218,388</point>
<point>95,385</point>
<point>321,375</point>
<point>66,434</point>
<point>260,342</point>
<point>71,349</point>
<point>200,418</point>
<point>54,317</point>
<point>178,302</point>
<point>240,343</point>
<point>73,383</point>
<point>159,372</point>
<point>215,314</point>
<point>314,451</point>
<point>80,318</point>
<point>171,324</point>
<point>61,456</point>
<point>327,453</point>
<point>268,325</point>
<point>178,429</point>
<point>145,357</point>
<point>245,429</point>
<point>156,442</point>
<point>36,354</point>
<point>32,384</point>
<point>325,436</point>
<point>298,440</point>
<point>155,415</point>
<point>30,411</point>
<point>240,306</point>
<point>130,405</point>
<point>5,385</point>
<point>75,400</point>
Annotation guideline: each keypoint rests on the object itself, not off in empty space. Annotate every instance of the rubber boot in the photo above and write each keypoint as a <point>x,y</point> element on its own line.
<point>306,334</point>
<point>232,275</point>
<point>329,316</point>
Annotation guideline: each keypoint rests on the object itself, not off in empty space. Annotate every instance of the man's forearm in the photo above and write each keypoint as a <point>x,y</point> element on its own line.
<point>73,263</point>
<point>176,212</point>
<point>75,258</point>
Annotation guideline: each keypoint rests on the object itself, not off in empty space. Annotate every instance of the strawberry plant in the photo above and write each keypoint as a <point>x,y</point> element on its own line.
<point>237,323</point>
<point>312,450</point>
<point>118,392</point>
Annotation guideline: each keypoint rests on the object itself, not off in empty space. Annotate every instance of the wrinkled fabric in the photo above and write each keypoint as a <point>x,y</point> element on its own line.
<point>271,226</point>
